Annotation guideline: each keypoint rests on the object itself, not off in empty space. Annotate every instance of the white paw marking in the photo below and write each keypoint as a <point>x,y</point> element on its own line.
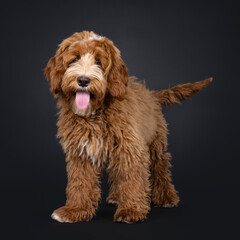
<point>112,202</point>
<point>56,217</point>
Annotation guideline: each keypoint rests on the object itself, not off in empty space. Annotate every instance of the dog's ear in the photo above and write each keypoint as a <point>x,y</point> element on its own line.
<point>55,68</point>
<point>118,74</point>
<point>54,74</point>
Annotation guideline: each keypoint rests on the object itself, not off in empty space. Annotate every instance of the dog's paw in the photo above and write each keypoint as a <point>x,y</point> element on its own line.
<point>71,215</point>
<point>129,216</point>
<point>167,203</point>
<point>112,202</point>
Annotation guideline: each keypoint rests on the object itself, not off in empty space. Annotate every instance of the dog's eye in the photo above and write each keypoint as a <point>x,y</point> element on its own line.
<point>98,62</point>
<point>75,60</point>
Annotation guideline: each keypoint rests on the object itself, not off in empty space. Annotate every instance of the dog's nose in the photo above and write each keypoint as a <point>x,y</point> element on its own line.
<point>83,81</point>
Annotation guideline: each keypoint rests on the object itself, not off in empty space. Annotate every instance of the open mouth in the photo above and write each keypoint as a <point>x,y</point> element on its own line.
<point>82,99</point>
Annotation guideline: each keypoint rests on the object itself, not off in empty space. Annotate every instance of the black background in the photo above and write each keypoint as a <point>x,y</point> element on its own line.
<point>163,42</point>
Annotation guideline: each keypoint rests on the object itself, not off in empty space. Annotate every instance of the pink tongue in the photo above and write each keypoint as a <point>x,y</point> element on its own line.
<point>82,100</point>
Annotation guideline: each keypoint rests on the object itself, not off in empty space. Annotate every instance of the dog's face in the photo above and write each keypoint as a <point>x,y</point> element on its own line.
<point>84,70</point>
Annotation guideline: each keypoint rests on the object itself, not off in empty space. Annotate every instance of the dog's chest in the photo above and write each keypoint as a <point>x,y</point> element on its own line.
<point>91,146</point>
<point>86,140</point>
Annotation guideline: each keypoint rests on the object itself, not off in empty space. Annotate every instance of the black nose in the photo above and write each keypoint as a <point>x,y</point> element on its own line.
<point>83,81</point>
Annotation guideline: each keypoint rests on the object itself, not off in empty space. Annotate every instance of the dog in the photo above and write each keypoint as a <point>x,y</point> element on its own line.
<point>108,119</point>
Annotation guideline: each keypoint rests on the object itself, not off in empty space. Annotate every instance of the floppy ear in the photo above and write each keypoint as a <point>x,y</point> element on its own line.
<point>55,68</point>
<point>53,73</point>
<point>118,75</point>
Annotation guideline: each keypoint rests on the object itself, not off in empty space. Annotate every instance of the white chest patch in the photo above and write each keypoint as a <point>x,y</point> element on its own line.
<point>91,149</point>
<point>85,139</point>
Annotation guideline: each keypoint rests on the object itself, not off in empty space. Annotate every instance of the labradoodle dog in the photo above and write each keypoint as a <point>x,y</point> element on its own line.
<point>108,119</point>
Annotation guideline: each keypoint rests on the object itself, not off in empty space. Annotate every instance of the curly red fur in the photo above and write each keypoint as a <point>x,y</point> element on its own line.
<point>122,128</point>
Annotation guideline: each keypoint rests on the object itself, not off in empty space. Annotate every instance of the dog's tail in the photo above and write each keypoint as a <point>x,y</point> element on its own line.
<point>176,94</point>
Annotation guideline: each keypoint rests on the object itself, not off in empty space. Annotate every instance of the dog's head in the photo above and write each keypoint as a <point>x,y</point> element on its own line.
<point>86,68</point>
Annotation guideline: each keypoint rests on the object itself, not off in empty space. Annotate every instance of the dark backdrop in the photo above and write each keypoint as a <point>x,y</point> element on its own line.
<point>163,42</point>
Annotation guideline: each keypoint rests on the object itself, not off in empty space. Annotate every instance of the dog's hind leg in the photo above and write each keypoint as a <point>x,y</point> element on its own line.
<point>113,194</point>
<point>163,191</point>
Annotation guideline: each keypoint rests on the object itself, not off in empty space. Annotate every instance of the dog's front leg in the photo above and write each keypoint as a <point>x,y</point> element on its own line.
<point>83,192</point>
<point>129,176</point>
